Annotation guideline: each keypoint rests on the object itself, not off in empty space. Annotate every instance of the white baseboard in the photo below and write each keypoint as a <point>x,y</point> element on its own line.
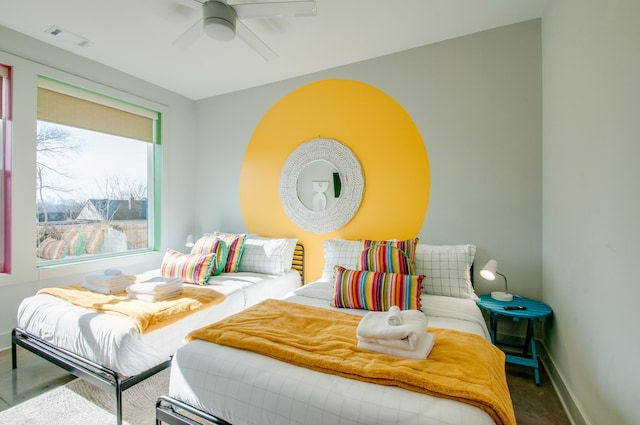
<point>571,406</point>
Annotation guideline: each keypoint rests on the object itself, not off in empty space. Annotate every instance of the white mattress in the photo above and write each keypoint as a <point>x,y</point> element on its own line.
<point>113,342</point>
<point>245,388</point>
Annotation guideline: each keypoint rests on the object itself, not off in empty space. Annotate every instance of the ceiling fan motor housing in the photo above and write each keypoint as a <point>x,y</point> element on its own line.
<point>219,20</point>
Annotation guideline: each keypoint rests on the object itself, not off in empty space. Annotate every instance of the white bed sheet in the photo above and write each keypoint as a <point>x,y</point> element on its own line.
<point>113,341</point>
<point>245,388</point>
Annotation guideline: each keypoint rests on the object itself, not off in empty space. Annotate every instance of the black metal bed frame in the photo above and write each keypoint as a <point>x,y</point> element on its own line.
<point>167,412</point>
<point>94,373</point>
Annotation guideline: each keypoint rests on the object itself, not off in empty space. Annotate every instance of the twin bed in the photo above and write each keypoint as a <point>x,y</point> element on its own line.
<point>272,376</point>
<point>109,351</point>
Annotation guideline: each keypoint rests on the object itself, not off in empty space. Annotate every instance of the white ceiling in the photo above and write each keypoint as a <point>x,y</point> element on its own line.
<point>135,36</point>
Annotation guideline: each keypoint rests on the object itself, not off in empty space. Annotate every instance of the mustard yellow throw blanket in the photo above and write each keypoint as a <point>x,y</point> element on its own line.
<point>461,366</point>
<point>146,316</point>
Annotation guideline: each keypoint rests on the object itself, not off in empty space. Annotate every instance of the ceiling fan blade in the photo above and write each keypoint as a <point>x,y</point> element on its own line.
<point>190,36</point>
<point>193,4</point>
<point>254,41</point>
<point>282,9</point>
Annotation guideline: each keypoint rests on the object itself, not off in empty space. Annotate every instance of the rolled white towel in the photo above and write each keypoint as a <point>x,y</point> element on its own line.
<point>151,298</point>
<point>157,285</point>
<point>374,326</point>
<point>394,316</point>
<point>421,351</point>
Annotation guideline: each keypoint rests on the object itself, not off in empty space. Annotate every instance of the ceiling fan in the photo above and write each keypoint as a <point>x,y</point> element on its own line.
<point>223,22</point>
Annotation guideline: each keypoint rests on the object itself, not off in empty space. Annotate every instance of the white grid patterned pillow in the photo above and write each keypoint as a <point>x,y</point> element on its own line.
<point>265,255</point>
<point>448,269</point>
<point>339,252</point>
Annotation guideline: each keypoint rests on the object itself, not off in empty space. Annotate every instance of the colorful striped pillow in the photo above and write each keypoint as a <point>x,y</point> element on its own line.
<point>235,243</point>
<point>77,240</point>
<point>52,249</point>
<point>388,256</point>
<point>209,243</point>
<point>367,290</point>
<point>191,268</point>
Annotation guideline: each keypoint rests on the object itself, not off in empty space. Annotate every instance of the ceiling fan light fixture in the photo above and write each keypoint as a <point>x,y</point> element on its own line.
<point>219,21</point>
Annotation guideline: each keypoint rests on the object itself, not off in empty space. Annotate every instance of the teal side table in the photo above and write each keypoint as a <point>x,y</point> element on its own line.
<point>535,310</point>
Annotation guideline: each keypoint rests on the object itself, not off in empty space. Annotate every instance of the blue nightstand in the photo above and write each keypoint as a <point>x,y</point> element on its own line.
<point>535,310</point>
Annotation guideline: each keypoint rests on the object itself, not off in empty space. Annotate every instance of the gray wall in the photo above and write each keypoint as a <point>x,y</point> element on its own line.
<point>30,58</point>
<point>591,203</point>
<point>476,101</point>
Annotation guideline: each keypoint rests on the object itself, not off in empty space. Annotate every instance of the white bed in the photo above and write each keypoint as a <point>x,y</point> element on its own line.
<point>112,341</point>
<point>246,388</point>
<point>107,350</point>
<point>240,387</point>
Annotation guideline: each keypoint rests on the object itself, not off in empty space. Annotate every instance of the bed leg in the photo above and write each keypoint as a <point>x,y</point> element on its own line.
<point>118,402</point>
<point>14,351</point>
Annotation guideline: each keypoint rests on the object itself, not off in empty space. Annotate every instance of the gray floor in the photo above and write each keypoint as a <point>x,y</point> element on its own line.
<point>534,405</point>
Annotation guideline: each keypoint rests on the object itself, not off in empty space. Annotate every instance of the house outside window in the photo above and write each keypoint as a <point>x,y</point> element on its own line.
<point>95,178</point>
<point>5,169</point>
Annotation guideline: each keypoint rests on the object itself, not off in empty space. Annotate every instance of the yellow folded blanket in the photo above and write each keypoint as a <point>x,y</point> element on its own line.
<point>146,316</point>
<point>461,366</point>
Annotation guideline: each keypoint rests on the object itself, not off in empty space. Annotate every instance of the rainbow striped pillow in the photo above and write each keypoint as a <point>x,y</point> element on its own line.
<point>391,256</point>
<point>52,249</point>
<point>209,243</point>
<point>367,290</point>
<point>191,268</point>
<point>235,243</point>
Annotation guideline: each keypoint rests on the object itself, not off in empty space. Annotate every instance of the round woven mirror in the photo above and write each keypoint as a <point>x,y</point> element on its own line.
<point>327,176</point>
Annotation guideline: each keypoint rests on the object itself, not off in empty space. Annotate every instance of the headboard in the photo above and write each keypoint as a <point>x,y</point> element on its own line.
<point>298,261</point>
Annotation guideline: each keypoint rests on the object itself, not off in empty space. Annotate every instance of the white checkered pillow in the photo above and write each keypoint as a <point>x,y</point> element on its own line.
<point>266,255</point>
<point>448,269</point>
<point>339,252</point>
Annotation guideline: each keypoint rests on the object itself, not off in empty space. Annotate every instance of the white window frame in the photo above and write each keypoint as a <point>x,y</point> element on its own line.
<point>153,166</point>
<point>5,168</point>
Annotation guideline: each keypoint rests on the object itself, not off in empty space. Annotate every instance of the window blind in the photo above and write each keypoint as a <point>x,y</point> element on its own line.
<point>75,107</point>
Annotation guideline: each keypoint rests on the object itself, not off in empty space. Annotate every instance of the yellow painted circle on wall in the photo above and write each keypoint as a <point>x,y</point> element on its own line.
<point>378,131</point>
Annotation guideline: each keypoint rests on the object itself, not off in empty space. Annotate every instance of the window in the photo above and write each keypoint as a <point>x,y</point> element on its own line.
<point>5,168</point>
<point>95,183</point>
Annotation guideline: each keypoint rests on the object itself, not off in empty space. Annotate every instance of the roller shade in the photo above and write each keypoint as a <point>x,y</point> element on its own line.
<point>66,105</point>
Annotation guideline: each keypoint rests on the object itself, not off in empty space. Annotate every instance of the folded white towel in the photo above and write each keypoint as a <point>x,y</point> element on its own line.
<point>113,289</point>
<point>421,351</point>
<point>112,272</point>
<point>374,326</point>
<point>394,316</point>
<point>151,298</point>
<point>156,285</point>
<point>108,280</point>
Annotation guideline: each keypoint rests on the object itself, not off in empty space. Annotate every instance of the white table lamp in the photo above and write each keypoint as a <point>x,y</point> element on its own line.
<point>189,243</point>
<point>489,272</point>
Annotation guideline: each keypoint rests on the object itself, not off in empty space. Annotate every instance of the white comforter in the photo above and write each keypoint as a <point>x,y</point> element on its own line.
<point>245,388</point>
<point>113,341</point>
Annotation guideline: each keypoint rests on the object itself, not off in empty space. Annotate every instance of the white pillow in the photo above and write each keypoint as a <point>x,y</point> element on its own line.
<point>339,252</point>
<point>266,255</point>
<point>288,251</point>
<point>447,269</point>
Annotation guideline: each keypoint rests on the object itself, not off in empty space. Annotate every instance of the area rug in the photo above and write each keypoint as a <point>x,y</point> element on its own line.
<point>80,403</point>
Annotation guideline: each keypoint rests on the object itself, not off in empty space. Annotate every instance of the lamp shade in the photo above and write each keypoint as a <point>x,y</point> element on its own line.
<point>489,270</point>
<point>189,243</point>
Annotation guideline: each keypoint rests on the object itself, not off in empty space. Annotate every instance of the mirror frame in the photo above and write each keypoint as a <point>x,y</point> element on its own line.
<point>351,178</point>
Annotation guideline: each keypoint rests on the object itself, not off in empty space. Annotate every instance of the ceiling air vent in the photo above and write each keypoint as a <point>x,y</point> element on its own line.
<point>68,37</point>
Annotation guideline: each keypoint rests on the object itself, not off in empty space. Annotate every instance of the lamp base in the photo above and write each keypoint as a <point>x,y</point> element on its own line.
<point>501,296</point>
